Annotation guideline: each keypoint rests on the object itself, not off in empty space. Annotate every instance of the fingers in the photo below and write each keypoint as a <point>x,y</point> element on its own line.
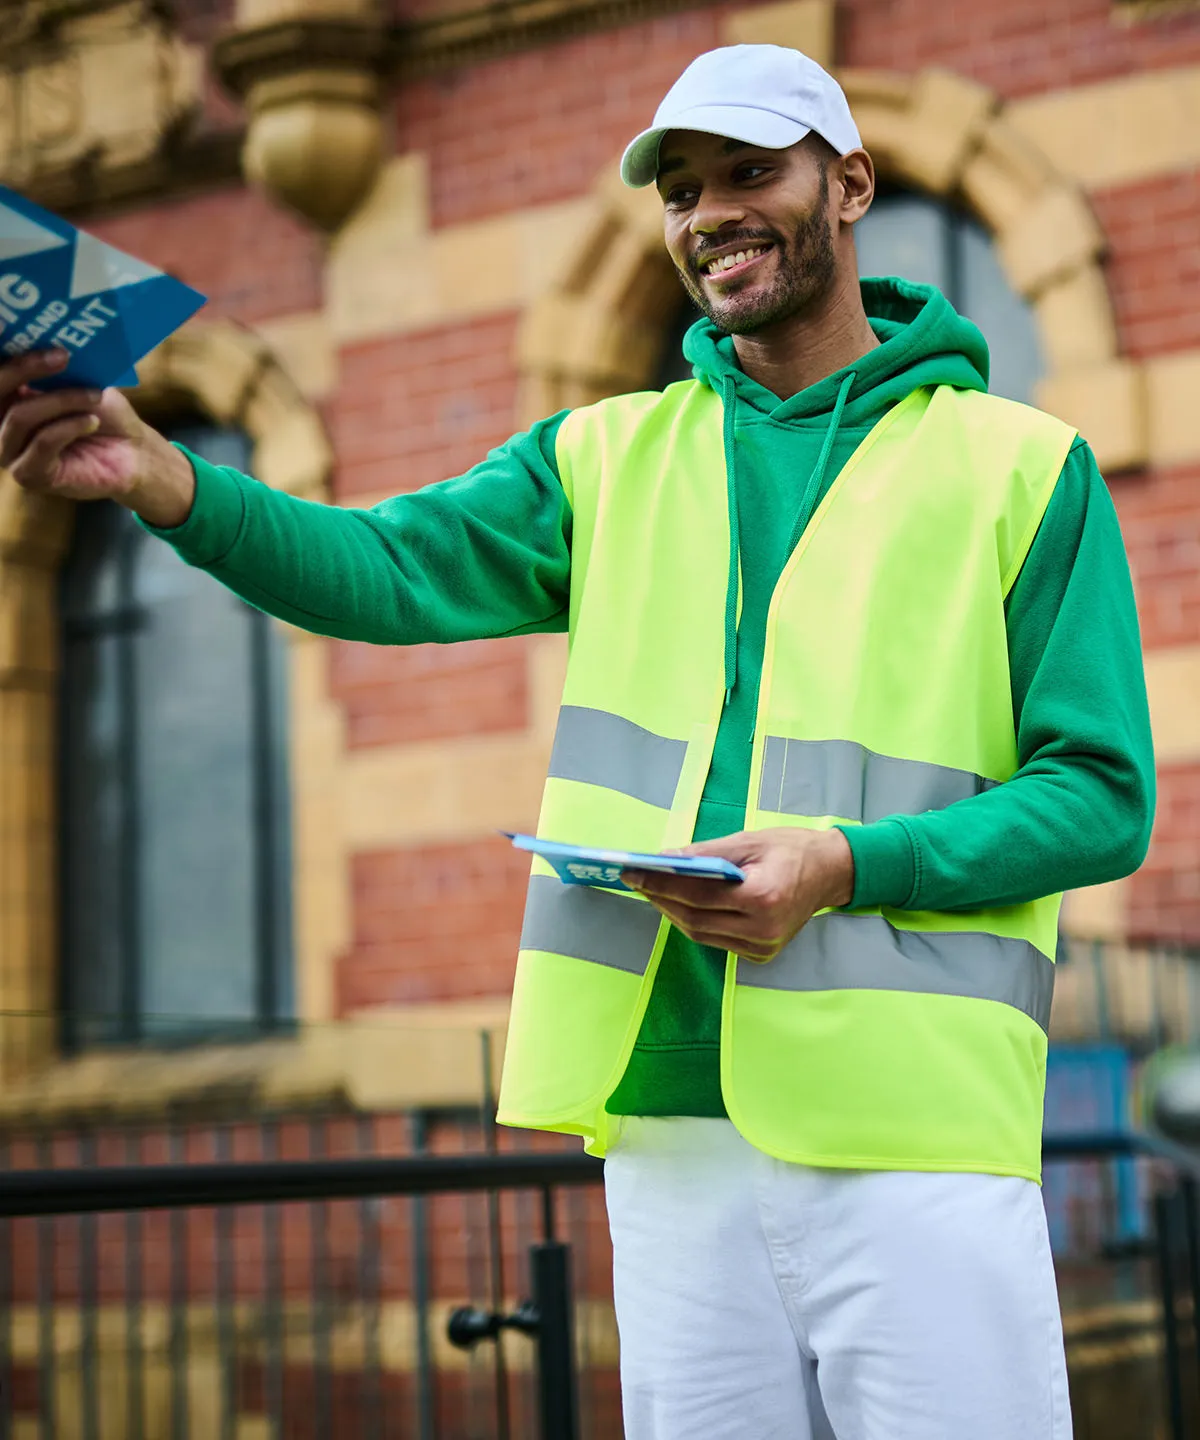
<point>701,894</point>
<point>38,461</point>
<point>29,369</point>
<point>751,936</point>
<point>26,415</point>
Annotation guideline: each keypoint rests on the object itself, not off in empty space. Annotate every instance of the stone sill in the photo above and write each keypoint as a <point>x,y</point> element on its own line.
<point>404,1058</point>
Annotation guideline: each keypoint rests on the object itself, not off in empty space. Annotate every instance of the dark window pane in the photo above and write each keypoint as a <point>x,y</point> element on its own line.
<point>1005,319</point>
<point>93,917</point>
<point>672,366</point>
<point>176,865</point>
<point>905,235</point>
<point>196,796</point>
<point>922,239</point>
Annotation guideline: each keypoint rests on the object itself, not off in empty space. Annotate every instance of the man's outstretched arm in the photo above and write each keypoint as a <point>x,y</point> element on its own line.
<point>486,554</point>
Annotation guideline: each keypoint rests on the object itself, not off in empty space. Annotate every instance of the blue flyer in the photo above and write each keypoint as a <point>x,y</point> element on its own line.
<point>62,287</point>
<point>587,865</point>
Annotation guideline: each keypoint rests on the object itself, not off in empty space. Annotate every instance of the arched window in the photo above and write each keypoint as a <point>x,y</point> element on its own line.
<point>173,798</point>
<point>925,240</point>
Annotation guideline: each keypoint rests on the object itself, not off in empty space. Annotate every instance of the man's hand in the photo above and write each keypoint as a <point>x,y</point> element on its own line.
<point>87,445</point>
<point>790,875</point>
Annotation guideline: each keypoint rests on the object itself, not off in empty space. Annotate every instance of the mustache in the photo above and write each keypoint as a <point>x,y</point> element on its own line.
<point>738,237</point>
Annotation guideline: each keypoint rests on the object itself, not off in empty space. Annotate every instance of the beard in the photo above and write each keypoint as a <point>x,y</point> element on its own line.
<point>804,270</point>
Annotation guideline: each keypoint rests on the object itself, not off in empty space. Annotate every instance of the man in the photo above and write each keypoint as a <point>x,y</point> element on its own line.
<point>842,618</point>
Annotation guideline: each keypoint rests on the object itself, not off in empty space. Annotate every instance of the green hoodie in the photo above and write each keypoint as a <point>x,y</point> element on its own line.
<point>488,554</point>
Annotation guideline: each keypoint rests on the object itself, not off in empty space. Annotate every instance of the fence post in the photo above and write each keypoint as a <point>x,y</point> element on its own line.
<point>1191,1217</point>
<point>1163,1205</point>
<point>550,1263</point>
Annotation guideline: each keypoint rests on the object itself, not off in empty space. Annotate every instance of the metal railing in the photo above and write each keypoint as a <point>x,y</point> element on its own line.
<point>280,1299</point>
<point>547,1312</point>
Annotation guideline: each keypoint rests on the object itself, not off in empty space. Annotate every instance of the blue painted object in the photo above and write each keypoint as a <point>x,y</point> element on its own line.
<point>61,287</point>
<point>1088,1202</point>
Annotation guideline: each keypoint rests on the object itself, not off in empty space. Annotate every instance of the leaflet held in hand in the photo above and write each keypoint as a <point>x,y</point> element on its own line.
<point>60,287</point>
<point>588,865</point>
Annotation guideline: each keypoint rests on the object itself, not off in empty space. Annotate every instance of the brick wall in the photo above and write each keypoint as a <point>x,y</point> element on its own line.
<point>1153,263</point>
<point>427,692</point>
<point>433,922</point>
<point>1160,519</point>
<point>249,256</point>
<point>1165,892</point>
<point>422,407</point>
<point>539,126</point>
<point>1019,47</point>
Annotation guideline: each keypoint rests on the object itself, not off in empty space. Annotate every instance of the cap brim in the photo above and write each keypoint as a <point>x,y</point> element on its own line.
<point>639,164</point>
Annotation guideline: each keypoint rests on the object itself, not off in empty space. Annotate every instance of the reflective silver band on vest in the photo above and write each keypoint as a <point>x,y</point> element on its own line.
<point>864,952</point>
<point>843,778</point>
<point>600,748</point>
<point>589,924</point>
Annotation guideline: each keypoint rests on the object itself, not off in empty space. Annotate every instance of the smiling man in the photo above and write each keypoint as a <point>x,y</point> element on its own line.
<point>841,617</point>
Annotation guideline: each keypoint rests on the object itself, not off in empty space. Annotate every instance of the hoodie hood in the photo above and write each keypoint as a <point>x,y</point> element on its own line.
<point>924,341</point>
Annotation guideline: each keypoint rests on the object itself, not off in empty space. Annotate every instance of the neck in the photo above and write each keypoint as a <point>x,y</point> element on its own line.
<point>806,348</point>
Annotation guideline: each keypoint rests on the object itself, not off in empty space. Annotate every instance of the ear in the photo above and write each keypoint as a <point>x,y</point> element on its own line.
<point>858,186</point>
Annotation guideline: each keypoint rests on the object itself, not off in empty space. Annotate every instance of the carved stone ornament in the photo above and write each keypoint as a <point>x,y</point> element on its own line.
<point>312,85</point>
<point>89,89</point>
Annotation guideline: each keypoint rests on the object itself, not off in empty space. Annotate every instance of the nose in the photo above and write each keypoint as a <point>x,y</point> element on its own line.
<point>714,209</point>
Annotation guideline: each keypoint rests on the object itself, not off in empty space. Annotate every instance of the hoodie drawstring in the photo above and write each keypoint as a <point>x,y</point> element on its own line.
<point>803,513</point>
<point>817,478</point>
<point>732,584</point>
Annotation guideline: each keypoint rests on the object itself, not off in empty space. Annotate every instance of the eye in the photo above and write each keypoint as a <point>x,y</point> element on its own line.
<point>751,171</point>
<point>678,197</point>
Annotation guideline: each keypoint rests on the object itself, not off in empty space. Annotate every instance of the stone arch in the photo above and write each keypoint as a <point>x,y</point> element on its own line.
<point>599,329</point>
<point>231,376</point>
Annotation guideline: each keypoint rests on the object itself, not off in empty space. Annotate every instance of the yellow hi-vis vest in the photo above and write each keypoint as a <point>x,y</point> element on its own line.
<point>878,1038</point>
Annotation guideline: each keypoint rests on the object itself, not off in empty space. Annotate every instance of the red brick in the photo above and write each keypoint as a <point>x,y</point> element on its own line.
<point>1153,266</point>
<point>399,695</point>
<point>1019,47</point>
<point>433,923</point>
<point>1164,899</point>
<point>250,257</point>
<point>1160,519</point>
<point>414,409</point>
<point>539,126</point>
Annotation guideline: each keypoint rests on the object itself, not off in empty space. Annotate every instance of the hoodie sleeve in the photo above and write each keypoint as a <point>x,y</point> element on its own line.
<point>484,555</point>
<point>1079,809</point>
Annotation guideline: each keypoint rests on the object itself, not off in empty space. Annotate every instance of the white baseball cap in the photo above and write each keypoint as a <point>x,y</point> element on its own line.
<point>763,94</point>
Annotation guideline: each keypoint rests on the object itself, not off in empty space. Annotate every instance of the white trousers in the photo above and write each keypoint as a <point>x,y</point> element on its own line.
<point>758,1300</point>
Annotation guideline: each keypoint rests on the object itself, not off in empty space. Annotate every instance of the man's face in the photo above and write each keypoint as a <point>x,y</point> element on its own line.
<point>747,228</point>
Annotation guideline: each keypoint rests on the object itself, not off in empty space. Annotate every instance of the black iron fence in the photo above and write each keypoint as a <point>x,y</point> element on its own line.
<point>363,1297</point>
<point>168,1301</point>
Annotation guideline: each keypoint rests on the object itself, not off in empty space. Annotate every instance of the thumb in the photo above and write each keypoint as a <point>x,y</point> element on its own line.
<point>117,415</point>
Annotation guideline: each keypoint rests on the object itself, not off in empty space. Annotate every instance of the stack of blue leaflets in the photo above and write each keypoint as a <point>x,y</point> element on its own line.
<point>587,865</point>
<point>62,287</point>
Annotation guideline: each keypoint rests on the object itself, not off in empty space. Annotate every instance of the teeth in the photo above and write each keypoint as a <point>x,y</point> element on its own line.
<point>727,262</point>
